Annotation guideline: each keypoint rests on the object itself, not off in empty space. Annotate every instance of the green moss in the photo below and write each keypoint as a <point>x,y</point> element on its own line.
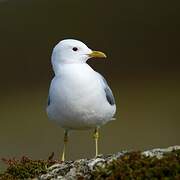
<point>136,166</point>
<point>25,168</point>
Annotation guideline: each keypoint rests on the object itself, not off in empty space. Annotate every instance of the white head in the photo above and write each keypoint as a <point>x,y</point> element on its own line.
<point>70,51</point>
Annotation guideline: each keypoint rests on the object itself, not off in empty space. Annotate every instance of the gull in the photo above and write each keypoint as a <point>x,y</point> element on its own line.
<point>79,97</point>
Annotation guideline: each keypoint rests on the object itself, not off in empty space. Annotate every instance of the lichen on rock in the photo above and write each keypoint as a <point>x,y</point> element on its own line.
<point>152,164</point>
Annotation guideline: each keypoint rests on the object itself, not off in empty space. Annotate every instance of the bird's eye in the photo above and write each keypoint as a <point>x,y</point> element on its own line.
<point>75,49</point>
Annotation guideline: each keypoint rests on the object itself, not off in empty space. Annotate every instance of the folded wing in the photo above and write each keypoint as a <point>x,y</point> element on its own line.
<point>108,92</point>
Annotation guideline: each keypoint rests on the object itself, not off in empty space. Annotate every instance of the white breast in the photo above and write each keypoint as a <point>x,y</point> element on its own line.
<point>77,98</point>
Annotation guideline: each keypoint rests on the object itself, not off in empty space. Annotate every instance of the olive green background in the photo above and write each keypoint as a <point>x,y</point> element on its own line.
<point>141,39</point>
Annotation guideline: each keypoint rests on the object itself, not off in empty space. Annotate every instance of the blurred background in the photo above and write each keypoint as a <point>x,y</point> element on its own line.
<point>141,39</point>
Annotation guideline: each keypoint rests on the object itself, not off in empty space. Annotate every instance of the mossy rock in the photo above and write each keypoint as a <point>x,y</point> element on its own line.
<point>25,168</point>
<point>151,165</point>
<point>134,165</point>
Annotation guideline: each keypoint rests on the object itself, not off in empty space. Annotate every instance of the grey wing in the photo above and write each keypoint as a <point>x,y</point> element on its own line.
<point>49,101</point>
<point>108,92</point>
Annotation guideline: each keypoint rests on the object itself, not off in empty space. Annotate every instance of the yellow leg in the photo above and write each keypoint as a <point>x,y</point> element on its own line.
<point>65,144</point>
<point>96,138</point>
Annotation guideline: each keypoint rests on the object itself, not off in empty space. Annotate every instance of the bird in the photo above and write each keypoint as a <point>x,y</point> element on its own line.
<point>79,97</point>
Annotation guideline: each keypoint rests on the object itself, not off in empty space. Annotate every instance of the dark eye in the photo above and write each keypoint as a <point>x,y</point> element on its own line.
<point>75,49</point>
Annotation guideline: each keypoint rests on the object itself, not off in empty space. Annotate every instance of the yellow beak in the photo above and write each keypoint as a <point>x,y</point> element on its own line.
<point>97,54</point>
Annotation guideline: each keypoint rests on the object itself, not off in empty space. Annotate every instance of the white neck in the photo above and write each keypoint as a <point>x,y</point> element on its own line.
<point>58,67</point>
<point>72,69</point>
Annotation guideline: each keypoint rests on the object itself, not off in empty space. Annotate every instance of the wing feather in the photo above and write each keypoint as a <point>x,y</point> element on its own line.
<point>108,92</point>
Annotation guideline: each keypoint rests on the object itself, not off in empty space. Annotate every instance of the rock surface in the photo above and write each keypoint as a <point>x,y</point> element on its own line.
<point>83,168</point>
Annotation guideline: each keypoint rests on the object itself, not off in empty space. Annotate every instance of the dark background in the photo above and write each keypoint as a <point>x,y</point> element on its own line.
<point>141,39</point>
